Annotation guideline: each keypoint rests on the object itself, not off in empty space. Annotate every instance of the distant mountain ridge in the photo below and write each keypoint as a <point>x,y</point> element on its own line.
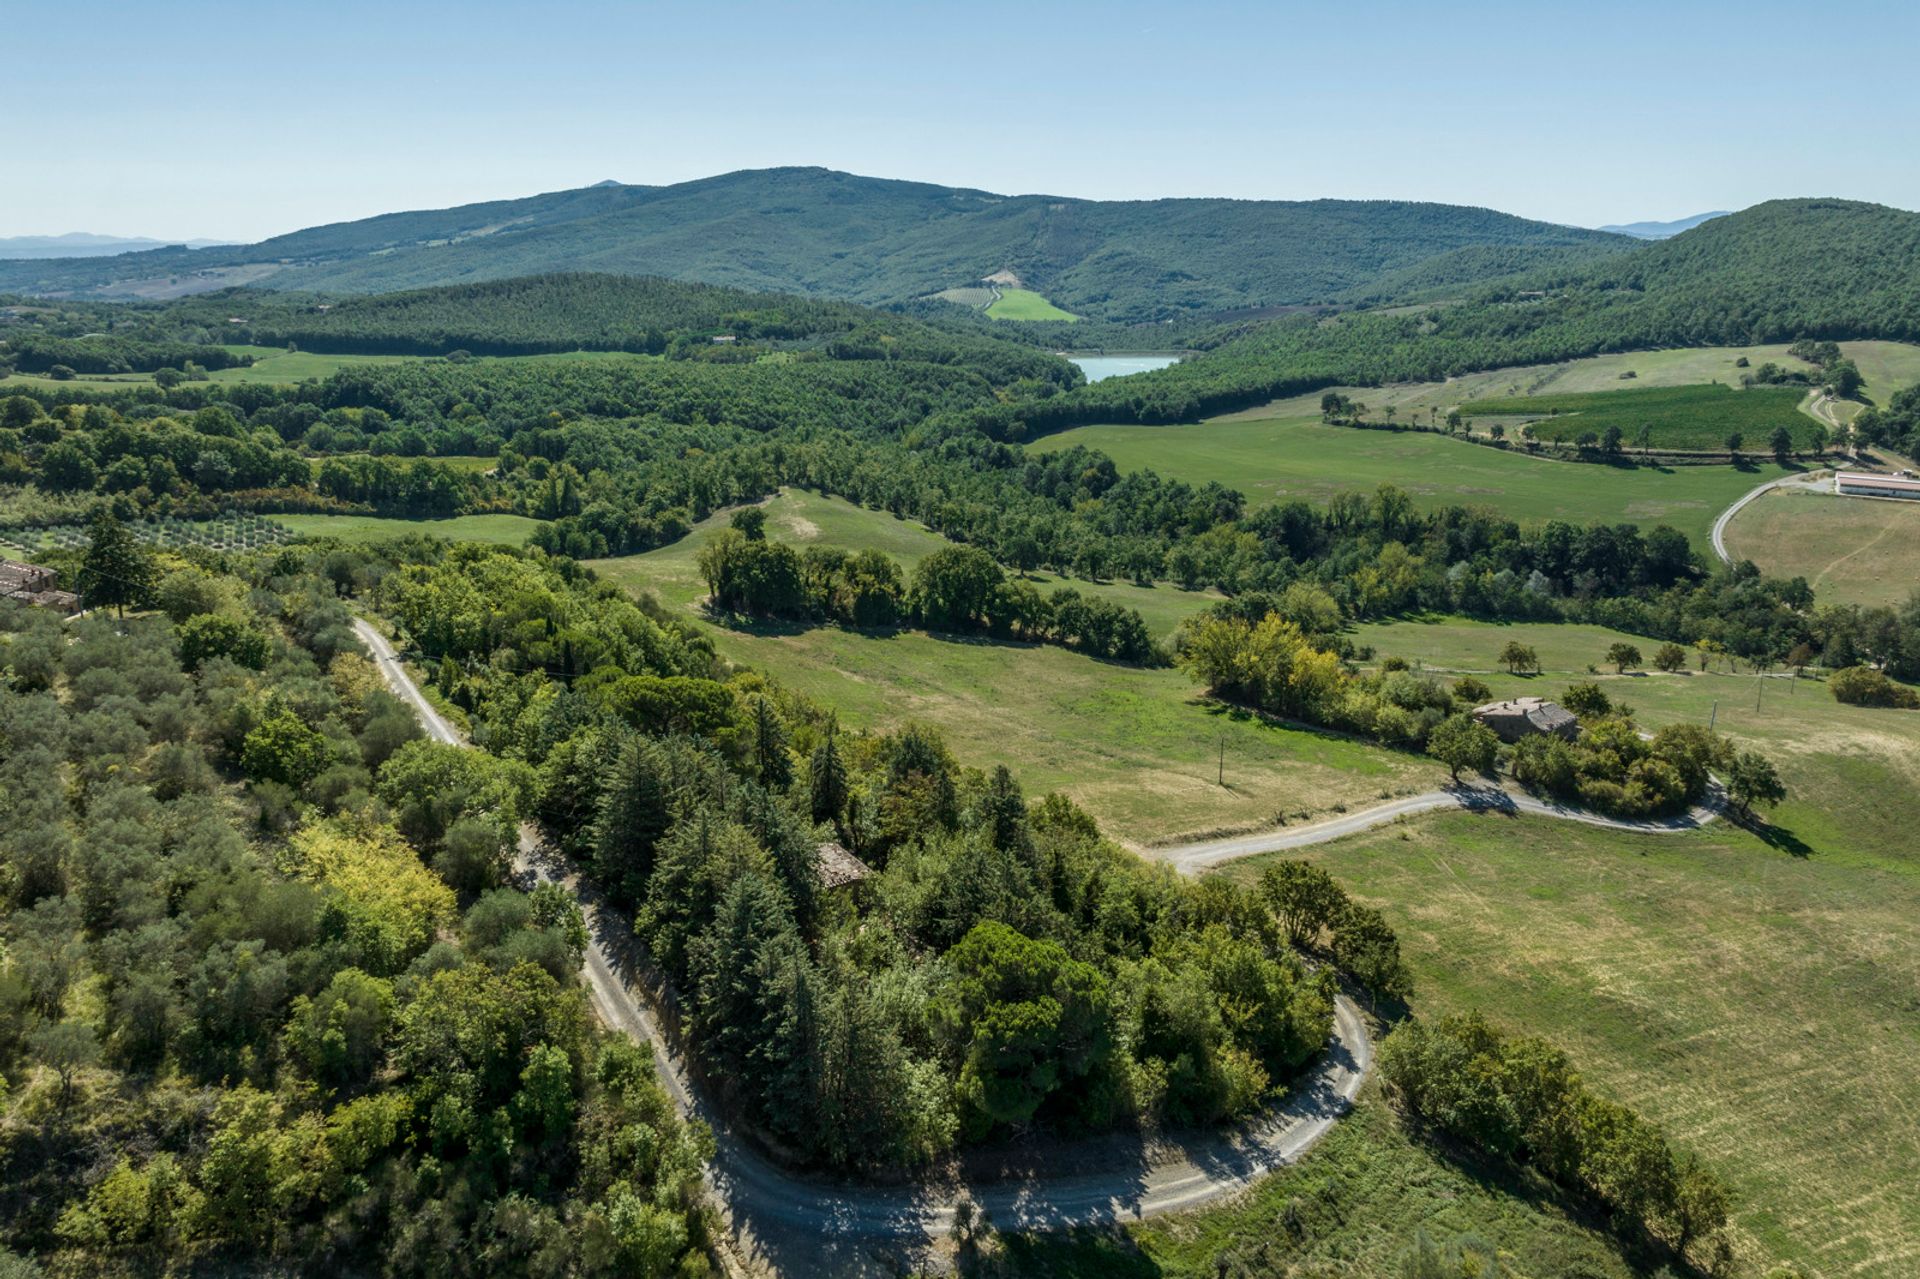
<point>822,233</point>
<point>1663,230</point>
<point>85,244</point>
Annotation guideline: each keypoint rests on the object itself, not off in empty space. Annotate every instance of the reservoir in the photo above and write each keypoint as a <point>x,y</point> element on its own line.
<point>1100,367</point>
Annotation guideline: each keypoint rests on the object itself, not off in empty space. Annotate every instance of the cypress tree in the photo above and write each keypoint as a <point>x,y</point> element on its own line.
<point>827,780</point>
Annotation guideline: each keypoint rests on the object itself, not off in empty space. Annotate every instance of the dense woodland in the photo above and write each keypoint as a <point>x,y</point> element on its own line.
<point>266,998</point>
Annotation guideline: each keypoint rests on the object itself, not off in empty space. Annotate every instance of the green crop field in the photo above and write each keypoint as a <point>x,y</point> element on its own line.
<point>1133,745</point>
<point>1675,417</point>
<point>1754,995</point>
<point>1025,304</point>
<point>1851,550</point>
<point>1272,460</point>
<point>501,530</point>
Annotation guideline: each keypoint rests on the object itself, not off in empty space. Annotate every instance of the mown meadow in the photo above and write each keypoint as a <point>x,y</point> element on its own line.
<point>1136,746</point>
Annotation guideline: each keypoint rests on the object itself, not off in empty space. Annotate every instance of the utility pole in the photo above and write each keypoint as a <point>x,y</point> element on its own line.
<point>1221,780</point>
<point>1715,717</point>
<point>1759,685</point>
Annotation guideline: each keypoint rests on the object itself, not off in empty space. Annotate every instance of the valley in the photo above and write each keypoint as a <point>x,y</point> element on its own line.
<point>793,723</point>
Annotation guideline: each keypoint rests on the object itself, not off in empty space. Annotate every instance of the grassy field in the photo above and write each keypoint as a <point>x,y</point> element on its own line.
<point>1852,550</point>
<point>500,530</point>
<point>1886,366</point>
<point>1273,459</point>
<point>1352,1207</point>
<point>1676,417</point>
<point>1025,304</point>
<point>1755,995</point>
<point>1132,745</point>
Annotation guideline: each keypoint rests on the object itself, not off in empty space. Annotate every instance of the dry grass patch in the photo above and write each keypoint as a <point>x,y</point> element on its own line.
<point>1851,550</point>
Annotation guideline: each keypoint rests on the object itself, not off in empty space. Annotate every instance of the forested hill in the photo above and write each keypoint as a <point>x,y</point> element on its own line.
<point>836,235</point>
<point>576,312</point>
<point>1842,267</point>
<point>1789,269</point>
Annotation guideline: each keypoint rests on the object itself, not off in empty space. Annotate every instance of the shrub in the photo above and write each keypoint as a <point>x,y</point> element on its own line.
<point>1588,700</point>
<point>1470,691</point>
<point>1866,686</point>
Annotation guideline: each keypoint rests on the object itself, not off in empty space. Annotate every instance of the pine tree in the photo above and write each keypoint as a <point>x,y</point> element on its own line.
<point>770,747</point>
<point>1006,811</point>
<point>632,816</point>
<point>827,780</point>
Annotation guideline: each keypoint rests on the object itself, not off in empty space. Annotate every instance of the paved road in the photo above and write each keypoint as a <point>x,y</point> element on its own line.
<point>786,1222</point>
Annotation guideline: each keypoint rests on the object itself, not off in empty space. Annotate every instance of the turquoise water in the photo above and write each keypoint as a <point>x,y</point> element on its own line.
<point>1100,367</point>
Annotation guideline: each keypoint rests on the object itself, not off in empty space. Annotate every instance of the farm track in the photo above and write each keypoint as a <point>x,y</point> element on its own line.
<point>1719,534</point>
<point>782,1222</point>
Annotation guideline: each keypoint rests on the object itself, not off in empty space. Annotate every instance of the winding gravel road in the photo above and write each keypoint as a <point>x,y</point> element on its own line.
<point>1191,859</point>
<point>784,1223</point>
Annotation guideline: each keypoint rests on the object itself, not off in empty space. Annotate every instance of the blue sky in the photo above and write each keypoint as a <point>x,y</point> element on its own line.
<point>201,118</point>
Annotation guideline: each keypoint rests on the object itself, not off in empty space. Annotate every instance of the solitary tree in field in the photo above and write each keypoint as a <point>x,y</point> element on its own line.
<point>1669,658</point>
<point>1461,741</point>
<point>1611,440</point>
<point>1782,443</point>
<point>1644,436</point>
<point>1497,431</point>
<point>1622,655</point>
<point>1519,658</point>
<point>1751,780</point>
<point>1735,441</point>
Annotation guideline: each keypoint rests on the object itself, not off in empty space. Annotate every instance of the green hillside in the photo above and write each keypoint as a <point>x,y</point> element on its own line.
<point>537,316</point>
<point>831,234</point>
<point>1789,269</point>
<point>572,312</point>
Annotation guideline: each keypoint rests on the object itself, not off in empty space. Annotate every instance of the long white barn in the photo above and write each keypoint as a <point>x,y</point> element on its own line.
<point>1859,484</point>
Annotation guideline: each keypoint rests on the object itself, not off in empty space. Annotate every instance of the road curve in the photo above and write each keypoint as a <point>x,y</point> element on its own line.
<point>783,1221</point>
<point>1191,859</point>
<point>1726,517</point>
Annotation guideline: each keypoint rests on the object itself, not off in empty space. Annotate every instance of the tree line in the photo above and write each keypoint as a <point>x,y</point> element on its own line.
<point>955,588</point>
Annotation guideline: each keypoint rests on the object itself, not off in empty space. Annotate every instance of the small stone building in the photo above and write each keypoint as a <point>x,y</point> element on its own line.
<point>32,584</point>
<point>1520,717</point>
<point>838,867</point>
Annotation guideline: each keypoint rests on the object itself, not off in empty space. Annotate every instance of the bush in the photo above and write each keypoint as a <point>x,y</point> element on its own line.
<point>1866,686</point>
<point>1470,691</point>
<point>1588,700</point>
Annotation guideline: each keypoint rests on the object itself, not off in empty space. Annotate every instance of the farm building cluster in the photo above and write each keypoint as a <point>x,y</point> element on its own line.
<point>32,584</point>
<point>1520,717</point>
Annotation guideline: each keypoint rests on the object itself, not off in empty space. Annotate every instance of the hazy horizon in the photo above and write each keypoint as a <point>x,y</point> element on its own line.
<point>247,123</point>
